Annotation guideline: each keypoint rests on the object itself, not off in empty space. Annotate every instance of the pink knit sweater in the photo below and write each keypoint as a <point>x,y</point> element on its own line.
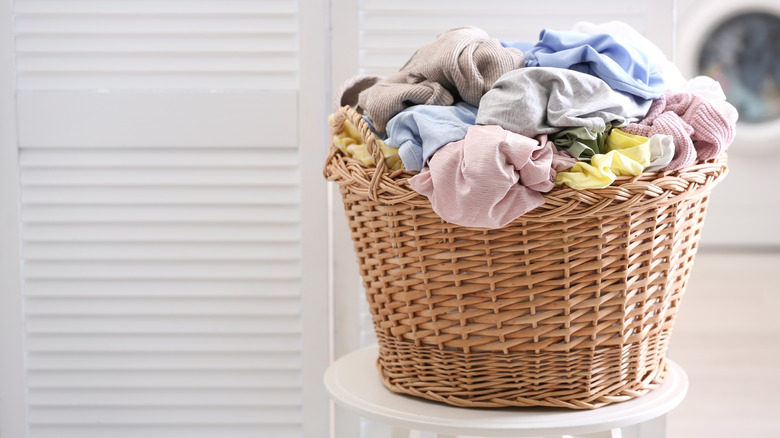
<point>699,130</point>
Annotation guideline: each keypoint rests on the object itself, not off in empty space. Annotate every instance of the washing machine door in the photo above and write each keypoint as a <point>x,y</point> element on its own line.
<point>738,44</point>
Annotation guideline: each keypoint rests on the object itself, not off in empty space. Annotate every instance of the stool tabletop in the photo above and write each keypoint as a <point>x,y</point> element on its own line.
<point>354,383</point>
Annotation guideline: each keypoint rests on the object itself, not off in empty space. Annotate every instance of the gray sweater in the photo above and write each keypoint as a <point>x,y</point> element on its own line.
<point>544,100</point>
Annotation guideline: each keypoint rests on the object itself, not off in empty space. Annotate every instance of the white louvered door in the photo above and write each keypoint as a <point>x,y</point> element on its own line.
<point>164,292</point>
<point>163,184</point>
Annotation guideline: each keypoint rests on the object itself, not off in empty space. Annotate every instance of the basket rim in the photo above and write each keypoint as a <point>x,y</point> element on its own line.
<point>641,192</point>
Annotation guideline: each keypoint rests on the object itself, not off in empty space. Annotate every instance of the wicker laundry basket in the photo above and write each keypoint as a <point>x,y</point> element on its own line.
<point>571,305</point>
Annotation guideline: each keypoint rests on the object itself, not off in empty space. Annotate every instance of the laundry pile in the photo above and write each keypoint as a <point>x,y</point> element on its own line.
<point>491,125</point>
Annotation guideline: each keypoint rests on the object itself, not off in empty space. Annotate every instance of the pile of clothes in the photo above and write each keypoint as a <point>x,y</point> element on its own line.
<point>491,125</point>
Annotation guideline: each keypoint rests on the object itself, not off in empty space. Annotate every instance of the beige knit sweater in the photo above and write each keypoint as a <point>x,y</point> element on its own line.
<point>460,65</point>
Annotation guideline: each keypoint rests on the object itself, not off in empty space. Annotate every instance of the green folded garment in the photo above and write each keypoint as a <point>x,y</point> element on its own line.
<point>581,143</point>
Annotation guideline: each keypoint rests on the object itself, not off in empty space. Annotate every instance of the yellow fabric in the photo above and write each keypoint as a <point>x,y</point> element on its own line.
<point>351,143</point>
<point>627,155</point>
<point>601,172</point>
<point>630,145</point>
<point>622,139</point>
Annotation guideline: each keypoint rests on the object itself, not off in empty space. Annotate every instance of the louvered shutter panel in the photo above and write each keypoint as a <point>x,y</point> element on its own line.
<point>161,217</point>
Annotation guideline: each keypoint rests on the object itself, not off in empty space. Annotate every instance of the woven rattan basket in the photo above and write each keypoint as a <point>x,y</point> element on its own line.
<point>571,305</point>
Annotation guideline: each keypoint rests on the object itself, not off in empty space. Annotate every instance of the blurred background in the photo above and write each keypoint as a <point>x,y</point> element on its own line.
<point>173,263</point>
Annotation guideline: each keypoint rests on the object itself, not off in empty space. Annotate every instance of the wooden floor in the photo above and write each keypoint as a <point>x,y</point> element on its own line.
<point>727,338</point>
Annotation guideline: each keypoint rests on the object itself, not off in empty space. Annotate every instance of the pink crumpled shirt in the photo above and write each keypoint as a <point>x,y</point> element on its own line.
<point>491,177</point>
<point>700,131</point>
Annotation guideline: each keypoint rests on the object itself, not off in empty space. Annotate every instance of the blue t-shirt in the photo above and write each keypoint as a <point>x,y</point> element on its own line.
<point>624,67</point>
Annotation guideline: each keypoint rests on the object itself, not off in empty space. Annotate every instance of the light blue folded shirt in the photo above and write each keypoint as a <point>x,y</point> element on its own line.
<point>622,66</point>
<point>420,130</point>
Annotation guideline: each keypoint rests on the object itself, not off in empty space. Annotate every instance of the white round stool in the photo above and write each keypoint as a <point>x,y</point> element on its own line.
<point>353,382</point>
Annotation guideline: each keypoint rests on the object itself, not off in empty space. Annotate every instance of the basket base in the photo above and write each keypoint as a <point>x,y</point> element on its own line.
<point>580,379</point>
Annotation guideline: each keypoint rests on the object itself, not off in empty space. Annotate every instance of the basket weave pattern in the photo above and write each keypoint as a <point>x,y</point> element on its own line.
<point>571,305</point>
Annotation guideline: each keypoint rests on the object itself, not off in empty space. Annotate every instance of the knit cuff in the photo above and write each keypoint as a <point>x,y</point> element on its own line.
<point>712,131</point>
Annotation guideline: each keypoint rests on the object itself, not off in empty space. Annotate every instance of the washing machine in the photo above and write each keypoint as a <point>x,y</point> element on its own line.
<point>738,44</point>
